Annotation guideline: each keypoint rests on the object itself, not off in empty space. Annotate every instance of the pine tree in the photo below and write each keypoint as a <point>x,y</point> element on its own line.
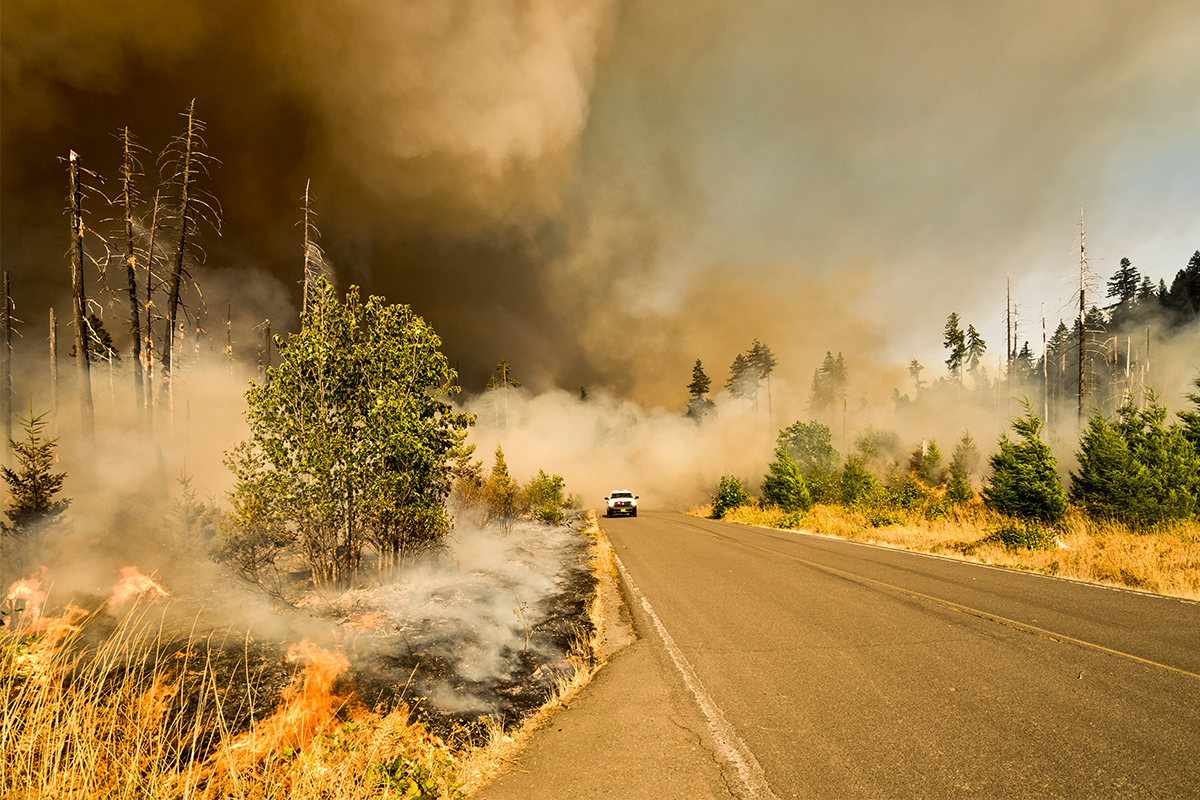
<point>699,407</point>
<point>700,381</point>
<point>914,371</point>
<point>762,360</point>
<point>739,372</point>
<point>1136,469</point>
<point>1024,482</point>
<point>955,342</point>
<point>976,347</point>
<point>33,484</point>
<point>1191,419</point>
<point>925,462</point>
<point>1124,283</point>
<point>783,485</point>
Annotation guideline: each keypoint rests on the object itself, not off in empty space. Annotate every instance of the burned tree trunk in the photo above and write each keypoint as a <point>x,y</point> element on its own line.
<point>6,366</point>
<point>128,171</point>
<point>191,163</point>
<point>82,363</point>
<point>54,368</point>
<point>176,276</point>
<point>149,309</point>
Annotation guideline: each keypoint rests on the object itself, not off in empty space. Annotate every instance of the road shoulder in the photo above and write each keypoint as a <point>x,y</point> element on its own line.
<point>634,731</point>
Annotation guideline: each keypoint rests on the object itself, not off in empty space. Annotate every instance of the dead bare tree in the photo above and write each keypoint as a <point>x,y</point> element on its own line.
<point>314,257</point>
<point>54,368</point>
<point>188,162</point>
<point>130,170</point>
<point>6,365</point>
<point>148,362</point>
<point>79,300</point>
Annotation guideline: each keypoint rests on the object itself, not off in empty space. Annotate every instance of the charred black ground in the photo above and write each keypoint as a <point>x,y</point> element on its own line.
<point>451,668</point>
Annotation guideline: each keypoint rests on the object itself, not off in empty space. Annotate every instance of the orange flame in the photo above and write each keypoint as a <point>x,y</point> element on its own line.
<point>134,584</point>
<point>29,590</point>
<point>307,705</point>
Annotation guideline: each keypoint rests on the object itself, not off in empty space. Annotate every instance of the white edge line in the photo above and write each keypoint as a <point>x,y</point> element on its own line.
<point>729,744</point>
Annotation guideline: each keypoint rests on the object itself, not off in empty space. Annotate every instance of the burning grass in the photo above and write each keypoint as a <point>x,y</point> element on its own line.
<point>96,705</point>
<point>1165,560</point>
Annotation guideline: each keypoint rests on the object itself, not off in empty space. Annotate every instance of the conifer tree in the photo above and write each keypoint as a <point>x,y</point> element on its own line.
<point>1024,482</point>
<point>976,347</point>
<point>699,407</point>
<point>34,483</point>
<point>1136,469</point>
<point>739,373</point>
<point>1191,419</point>
<point>955,342</point>
<point>1123,285</point>
<point>914,371</point>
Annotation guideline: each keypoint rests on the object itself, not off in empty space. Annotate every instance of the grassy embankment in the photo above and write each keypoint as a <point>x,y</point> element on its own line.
<point>1165,560</point>
<point>150,714</point>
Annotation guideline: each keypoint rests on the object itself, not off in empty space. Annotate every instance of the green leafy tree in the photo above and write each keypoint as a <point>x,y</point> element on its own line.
<point>955,342</point>
<point>544,498</point>
<point>1024,482</point>
<point>783,485</point>
<point>34,484</point>
<point>859,486</point>
<point>809,444</point>
<point>351,440</point>
<point>729,495</point>
<point>1135,468</point>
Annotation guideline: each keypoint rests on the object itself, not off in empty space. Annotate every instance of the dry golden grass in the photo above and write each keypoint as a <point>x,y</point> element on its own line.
<point>147,715</point>
<point>1165,560</point>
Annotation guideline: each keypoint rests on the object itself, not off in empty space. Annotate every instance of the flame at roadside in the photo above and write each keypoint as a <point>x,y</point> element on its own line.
<point>307,706</point>
<point>134,584</point>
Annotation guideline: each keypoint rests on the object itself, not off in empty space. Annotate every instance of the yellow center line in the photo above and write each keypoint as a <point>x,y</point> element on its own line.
<point>955,606</point>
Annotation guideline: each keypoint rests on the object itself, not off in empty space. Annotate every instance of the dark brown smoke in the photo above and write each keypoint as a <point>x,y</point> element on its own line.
<point>602,193</point>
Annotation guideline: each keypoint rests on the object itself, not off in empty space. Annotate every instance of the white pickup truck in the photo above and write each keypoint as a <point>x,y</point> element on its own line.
<point>620,502</point>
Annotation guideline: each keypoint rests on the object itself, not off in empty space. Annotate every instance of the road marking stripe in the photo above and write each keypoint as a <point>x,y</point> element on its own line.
<point>730,745</point>
<point>957,607</point>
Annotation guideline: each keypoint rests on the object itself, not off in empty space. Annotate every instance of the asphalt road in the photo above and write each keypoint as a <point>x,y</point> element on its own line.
<point>843,670</point>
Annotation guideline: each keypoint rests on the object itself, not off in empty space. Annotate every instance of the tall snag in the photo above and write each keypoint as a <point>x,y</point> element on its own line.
<point>54,368</point>
<point>129,172</point>
<point>148,357</point>
<point>313,255</point>
<point>189,162</point>
<point>6,365</point>
<point>78,304</point>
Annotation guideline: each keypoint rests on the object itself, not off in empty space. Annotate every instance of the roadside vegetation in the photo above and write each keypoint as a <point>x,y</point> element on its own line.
<point>91,711</point>
<point>1130,518</point>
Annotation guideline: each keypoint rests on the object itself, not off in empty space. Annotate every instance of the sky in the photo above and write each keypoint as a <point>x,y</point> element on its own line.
<point>603,192</point>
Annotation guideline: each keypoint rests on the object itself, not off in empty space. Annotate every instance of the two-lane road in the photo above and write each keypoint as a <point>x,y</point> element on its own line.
<point>855,671</point>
